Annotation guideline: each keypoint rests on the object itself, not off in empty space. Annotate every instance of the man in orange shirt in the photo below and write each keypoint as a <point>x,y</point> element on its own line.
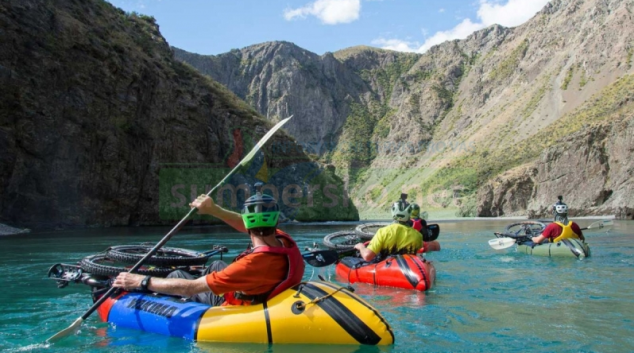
<point>271,265</point>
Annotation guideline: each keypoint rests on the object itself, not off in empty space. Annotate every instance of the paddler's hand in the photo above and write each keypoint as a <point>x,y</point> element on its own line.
<point>359,246</point>
<point>128,281</point>
<point>204,204</point>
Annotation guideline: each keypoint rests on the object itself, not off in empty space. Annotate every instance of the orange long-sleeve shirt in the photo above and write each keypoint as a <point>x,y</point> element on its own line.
<point>253,274</point>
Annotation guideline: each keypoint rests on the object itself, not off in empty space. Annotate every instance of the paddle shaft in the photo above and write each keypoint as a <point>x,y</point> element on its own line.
<point>156,248</point>
<point>134,268</point>
<point>321,258</point>
<point>174,230</point>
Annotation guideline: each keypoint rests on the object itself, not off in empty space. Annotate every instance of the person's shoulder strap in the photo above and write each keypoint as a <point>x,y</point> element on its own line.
<point>288,240</point>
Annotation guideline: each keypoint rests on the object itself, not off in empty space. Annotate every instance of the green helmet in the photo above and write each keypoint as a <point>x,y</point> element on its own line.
<point>260,210</point>
<point>400,211</point>
<point>415,210</point>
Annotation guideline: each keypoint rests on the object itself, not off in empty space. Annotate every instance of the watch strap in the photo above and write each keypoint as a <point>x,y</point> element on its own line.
<point>145,282</point>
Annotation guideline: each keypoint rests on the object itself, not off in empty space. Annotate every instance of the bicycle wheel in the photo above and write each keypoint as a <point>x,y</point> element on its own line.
<point>526,228</point>
<point>100,264</point>
<point>164,257</point>
<point>344,240</point>
<point>366,231</point>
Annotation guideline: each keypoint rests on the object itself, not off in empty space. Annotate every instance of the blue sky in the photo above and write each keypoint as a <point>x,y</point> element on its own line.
<point>217,26</point>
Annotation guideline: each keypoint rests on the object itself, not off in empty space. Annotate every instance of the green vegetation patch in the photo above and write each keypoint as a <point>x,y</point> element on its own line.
<point>584,79</point>
<point>531,106</point>
<point>478,167</point>
<point>508,65</point>
<point>467,206</point>
<point>568,78</point>
<point>388,76</point>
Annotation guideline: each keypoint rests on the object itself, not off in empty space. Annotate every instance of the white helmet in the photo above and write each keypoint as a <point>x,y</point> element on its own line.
<point>400,211</point>
<point>560,209</point>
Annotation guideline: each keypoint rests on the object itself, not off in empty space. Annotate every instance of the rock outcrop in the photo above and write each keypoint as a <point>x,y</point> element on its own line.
<point>97,121</point>
<point>280,79</point>
<point>592,169</point>
<point>8,230</point>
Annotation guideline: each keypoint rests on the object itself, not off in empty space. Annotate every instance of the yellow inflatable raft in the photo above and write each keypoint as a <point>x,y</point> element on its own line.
<point>310,313</point>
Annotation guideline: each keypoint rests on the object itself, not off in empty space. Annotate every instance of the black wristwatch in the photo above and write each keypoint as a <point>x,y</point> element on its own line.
<point>145,282</point>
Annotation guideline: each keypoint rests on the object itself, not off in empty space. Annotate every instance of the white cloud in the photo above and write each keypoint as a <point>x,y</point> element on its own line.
<point>330,12</point>
<point>512,13</point>
<point>441,10</point>
<point>396,44</point>
<point>462,30</point>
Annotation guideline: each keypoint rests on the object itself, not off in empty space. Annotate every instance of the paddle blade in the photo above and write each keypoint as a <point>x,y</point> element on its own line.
<point>434,229</point>
<point>67,331</point>
<point>602,225</point>
<point>262,141</point>
<point>501,243</point>
<point>321,258</point>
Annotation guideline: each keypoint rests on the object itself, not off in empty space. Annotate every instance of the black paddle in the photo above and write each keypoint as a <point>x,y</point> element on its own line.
<point>75,325</point>
<point>321,258</point>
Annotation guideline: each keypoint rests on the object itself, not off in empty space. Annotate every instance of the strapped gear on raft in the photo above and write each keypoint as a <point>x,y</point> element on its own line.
<point>400,211</point>
<point>260,210</point>
<point>560,211</point>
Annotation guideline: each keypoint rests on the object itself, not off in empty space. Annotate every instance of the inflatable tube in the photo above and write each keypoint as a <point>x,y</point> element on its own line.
<point>565,248</point>
<point>294,316</point>
<point>100,264</point>
<point>528,228</point>
<point>344,240</point>
<point>400,271</point>
<point>367,230</point>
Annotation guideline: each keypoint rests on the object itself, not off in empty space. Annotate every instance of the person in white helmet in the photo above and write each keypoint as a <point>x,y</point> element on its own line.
<point>397,238</point>
<point>561,228</point>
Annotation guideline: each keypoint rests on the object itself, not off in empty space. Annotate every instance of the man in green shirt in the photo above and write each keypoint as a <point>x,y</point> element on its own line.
<point>397,238</point>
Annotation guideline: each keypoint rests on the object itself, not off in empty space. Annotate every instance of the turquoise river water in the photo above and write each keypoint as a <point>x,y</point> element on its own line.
<point>483,300</point>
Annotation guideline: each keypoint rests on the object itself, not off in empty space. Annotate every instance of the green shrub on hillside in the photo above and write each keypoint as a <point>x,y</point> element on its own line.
<point>474,169</point>
<point>414,102</point>
<point>508,65</point>
<point>584,79</point>
<point>468,206</point>
<point>534,102</point>
<point>569,74</point>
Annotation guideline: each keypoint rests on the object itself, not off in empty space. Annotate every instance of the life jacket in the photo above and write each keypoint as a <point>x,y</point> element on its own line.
<point>293,277</point>
<point>417,224</point>
<point>566,232</point>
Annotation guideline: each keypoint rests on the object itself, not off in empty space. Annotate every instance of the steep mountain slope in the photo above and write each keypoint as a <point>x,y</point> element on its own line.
<point>280,79</point>
<point>99,125</point>
<point>593,167</point>
<point>544,82</point>
<point>440,126</point>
